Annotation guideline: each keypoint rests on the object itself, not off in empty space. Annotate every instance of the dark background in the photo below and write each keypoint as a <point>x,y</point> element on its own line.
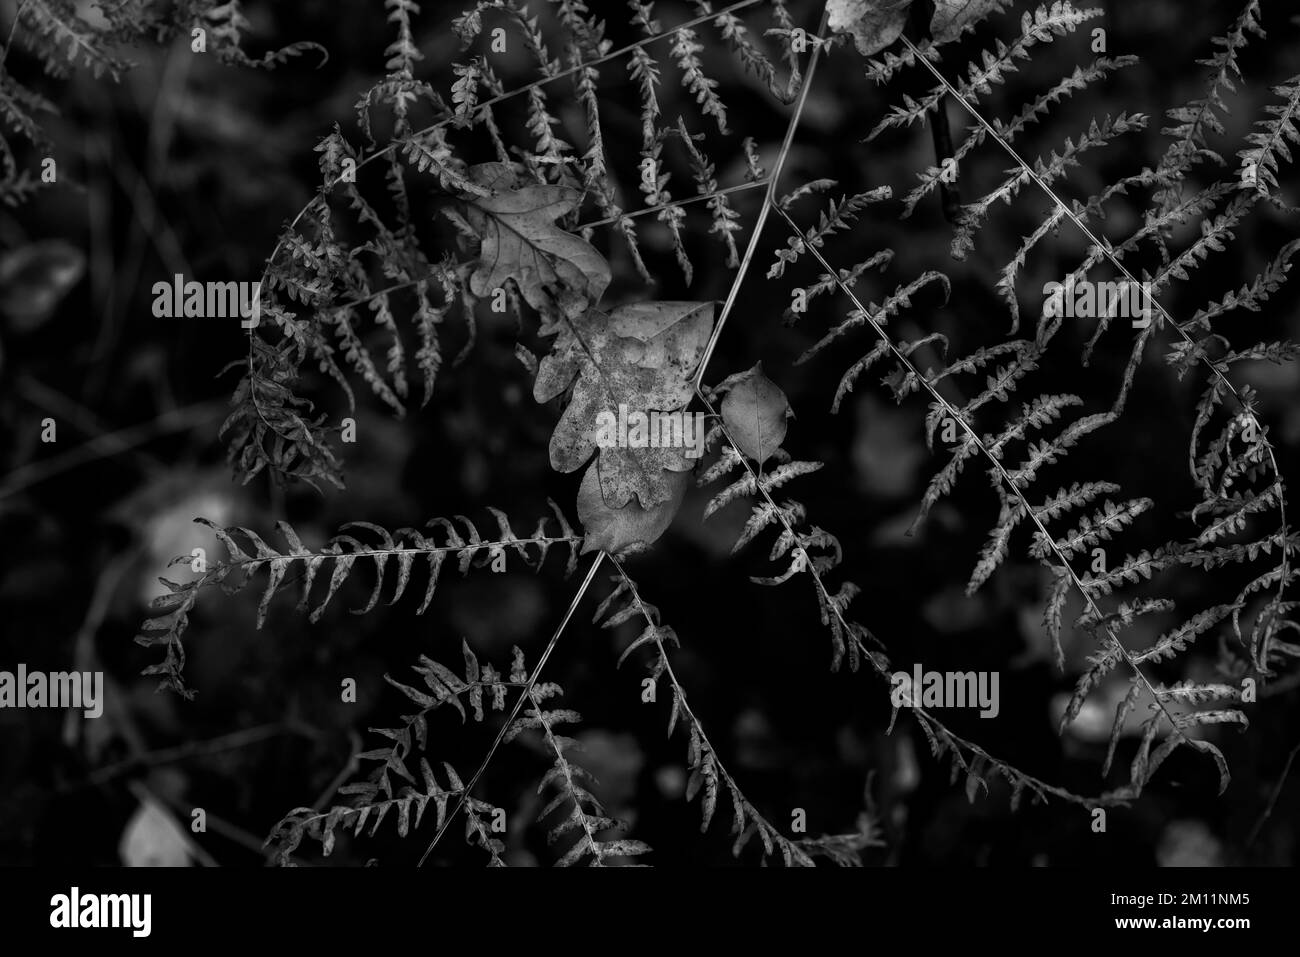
<point>191,166</point>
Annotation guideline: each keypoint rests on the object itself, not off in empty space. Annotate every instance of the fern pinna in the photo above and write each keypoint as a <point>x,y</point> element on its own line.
<point>445,206</point>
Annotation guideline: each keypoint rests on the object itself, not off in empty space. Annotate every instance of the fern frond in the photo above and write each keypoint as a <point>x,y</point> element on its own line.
<point>899,299</point>
<point>752,58</point>
<point>63,40</point>
<point>1104,523</point>
<point>226,23</point>
<point>829,283</point>
<point>836,217</point>
<point>1042,26</point>
<point>169,614</point>
<point>725,219</point>
<point>1039,107</point>
<point>685,50</point>
<point>1270,147</point>
<point>1098,134</point>
<point>1197,120</point>
<point>288,833</point>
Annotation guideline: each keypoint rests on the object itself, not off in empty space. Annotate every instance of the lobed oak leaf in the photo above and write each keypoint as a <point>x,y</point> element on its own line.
<point>558,273</point>
<point>875,24</point>
<point>640,357</point>
<point>951,17</point>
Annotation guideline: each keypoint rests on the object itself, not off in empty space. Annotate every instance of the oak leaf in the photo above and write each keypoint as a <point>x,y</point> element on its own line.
<point>640,356</point>
<point>558,273</point>
<point>875,24</point>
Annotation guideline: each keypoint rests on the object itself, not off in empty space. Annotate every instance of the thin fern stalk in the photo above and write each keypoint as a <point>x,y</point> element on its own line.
<point>1272,801</point>
<point>773,180</point>
<point>525,695</point>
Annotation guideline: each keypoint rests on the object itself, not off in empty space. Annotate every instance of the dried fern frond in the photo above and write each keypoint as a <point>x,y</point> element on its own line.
<point>169,614</point>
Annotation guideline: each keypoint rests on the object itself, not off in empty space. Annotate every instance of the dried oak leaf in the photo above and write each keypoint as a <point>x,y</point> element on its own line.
<point>615,529</point>
<point>641,356</point>
<point>875,24</point>
<point>755,411</point>
<point>558,273</point>
<point>951,17</point>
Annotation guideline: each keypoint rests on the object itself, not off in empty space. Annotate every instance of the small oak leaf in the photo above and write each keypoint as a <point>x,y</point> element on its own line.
<point>875,24</point>
<point>951,17</point>
<point>558,273</point>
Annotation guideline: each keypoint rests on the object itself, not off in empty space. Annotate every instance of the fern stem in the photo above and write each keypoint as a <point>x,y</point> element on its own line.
<point>525,695</point>
<point>1272,801</point>
<point>773,180</point>
<point>1105,248</point>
